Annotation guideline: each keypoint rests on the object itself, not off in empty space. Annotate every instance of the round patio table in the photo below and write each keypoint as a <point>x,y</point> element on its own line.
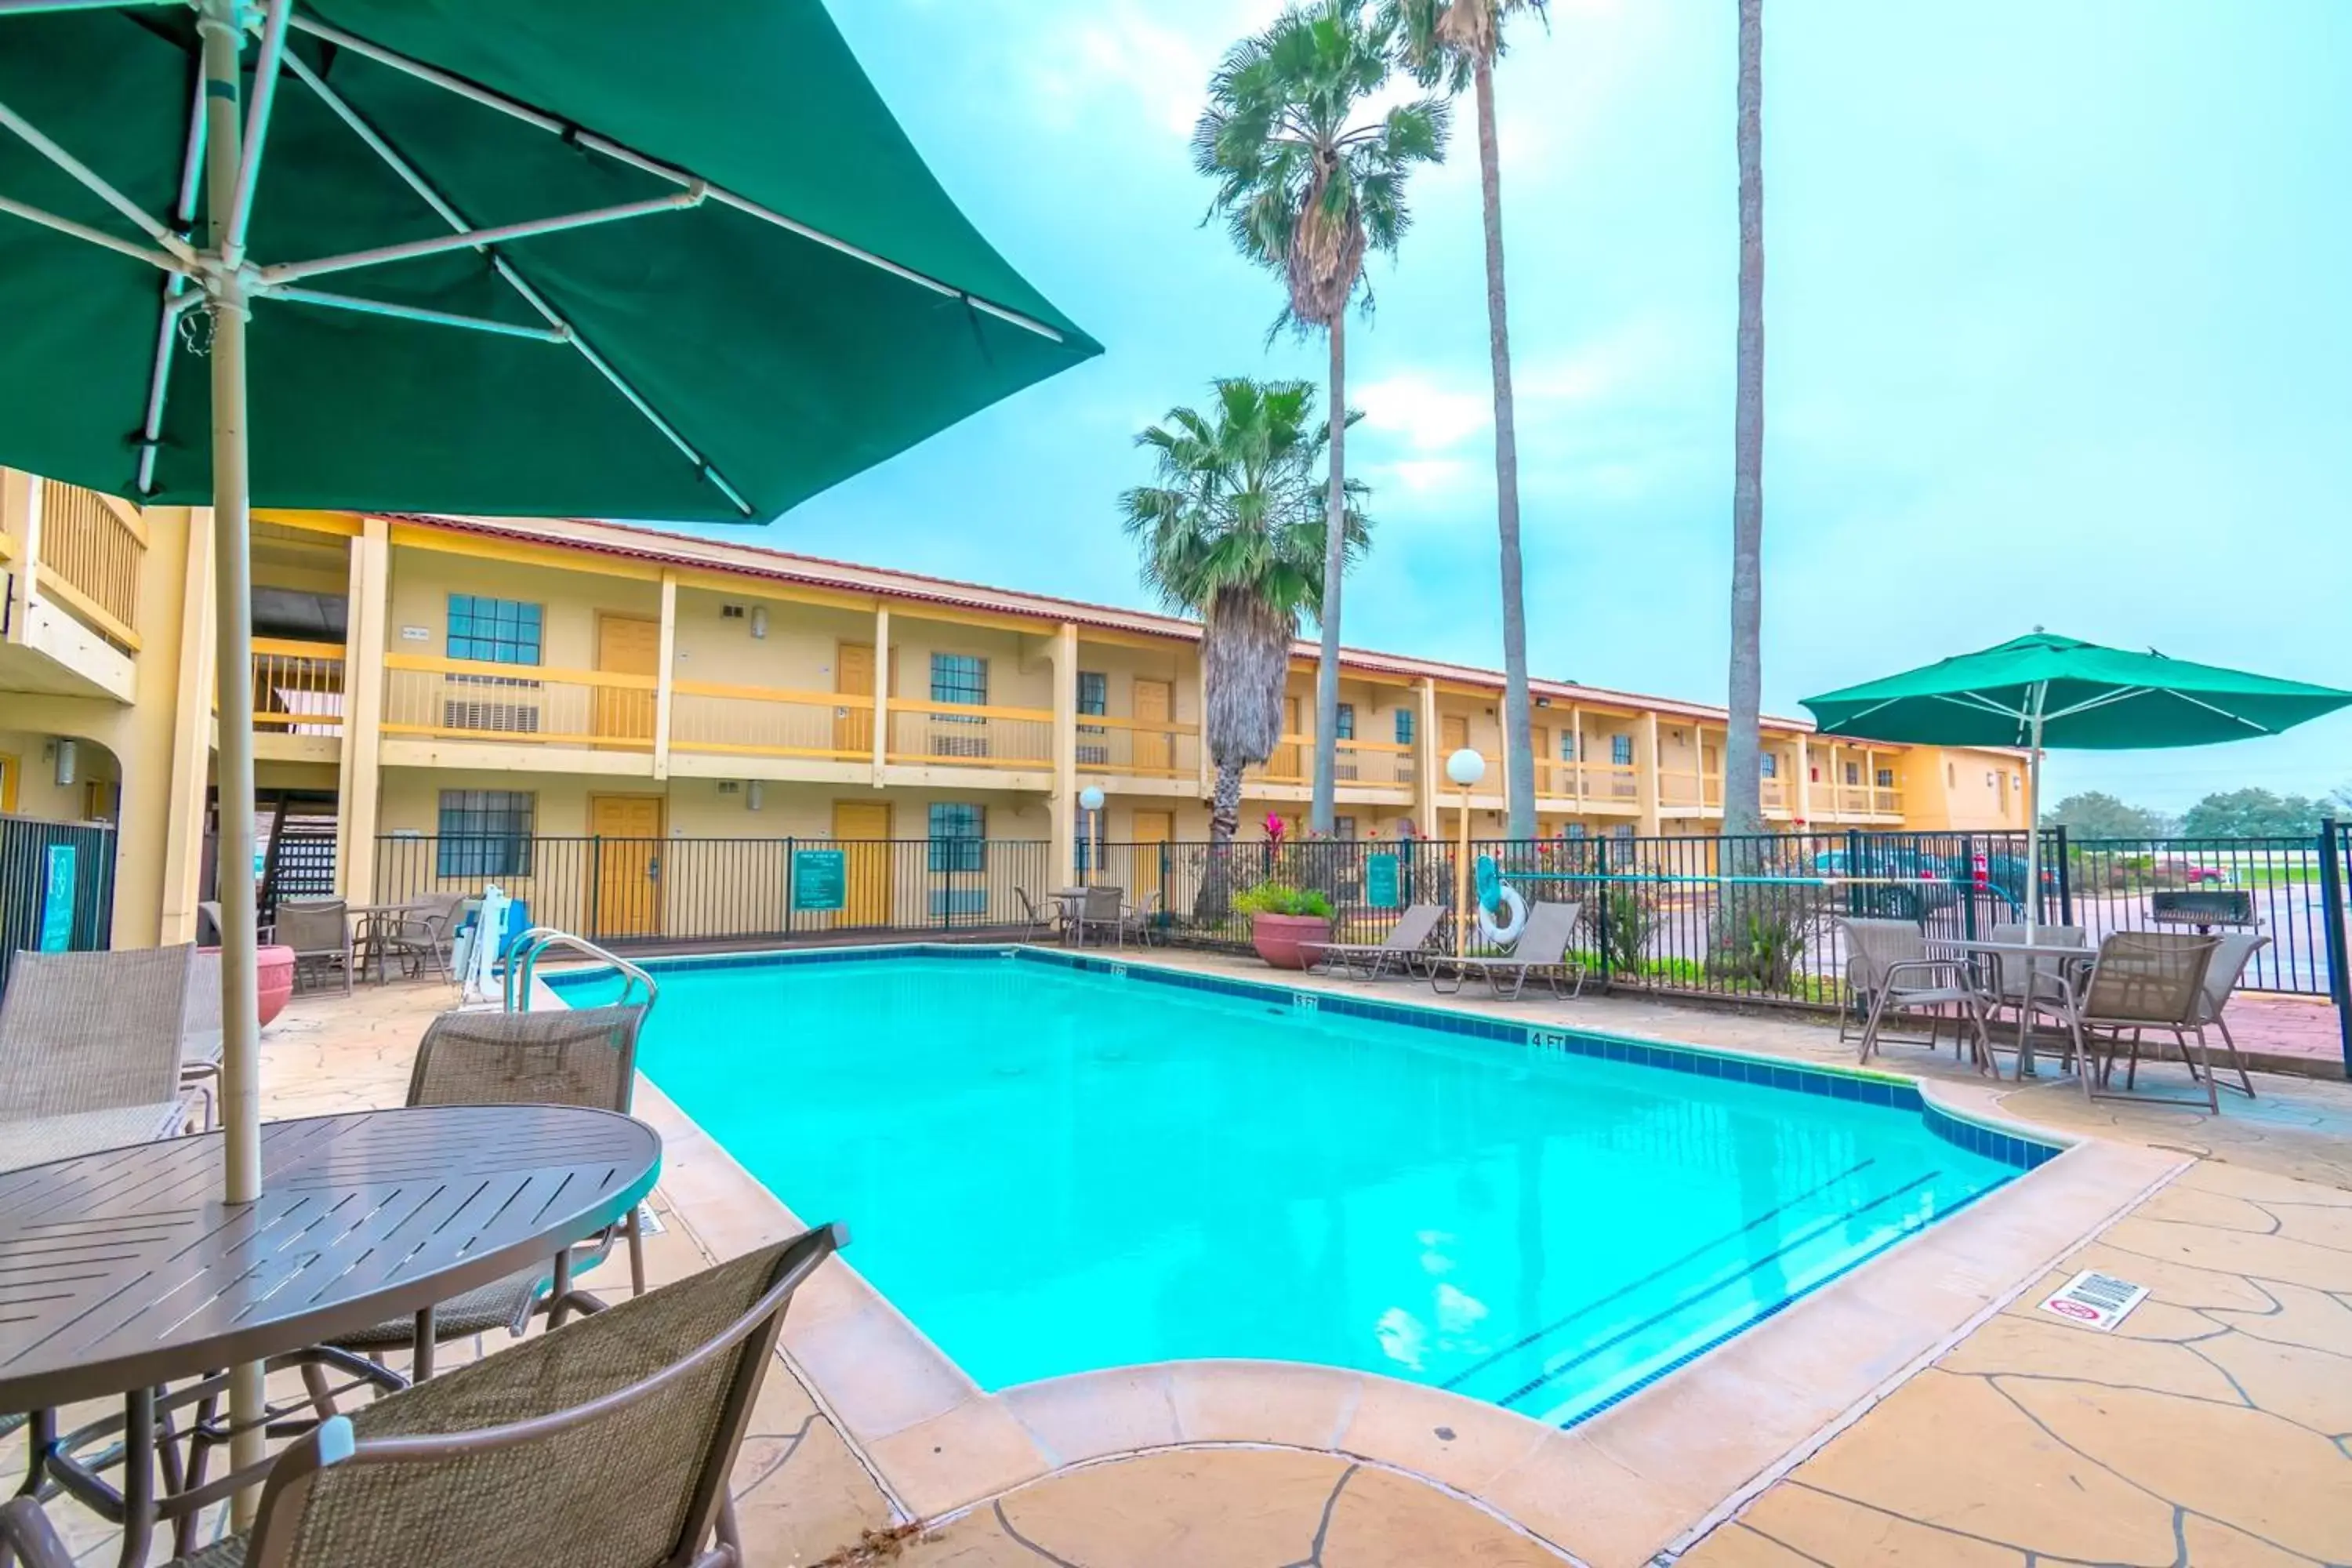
<point>2063,958</point>
<point>123,1272</point>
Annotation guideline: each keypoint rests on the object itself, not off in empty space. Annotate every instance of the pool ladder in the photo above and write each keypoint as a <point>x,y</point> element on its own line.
<point>522,965</point>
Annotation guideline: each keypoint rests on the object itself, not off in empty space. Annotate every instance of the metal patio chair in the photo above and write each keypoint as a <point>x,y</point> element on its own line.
<point>422,936</point>
<point>319,932</point>
<point>1103,911</point>
<point>2008,980</point>
<point>581,1056</point>
<point>1542,948</point>
<point>2232,954</point>
<point>1401,952</point>
<point>1039,922</point>
<point>610,1440</point>
<point>2142,981</point>
<point>1893,976</point>
<point>89,1032</point>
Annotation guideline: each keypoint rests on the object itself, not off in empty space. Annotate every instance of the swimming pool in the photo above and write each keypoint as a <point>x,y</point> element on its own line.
<point>1055,1165</point>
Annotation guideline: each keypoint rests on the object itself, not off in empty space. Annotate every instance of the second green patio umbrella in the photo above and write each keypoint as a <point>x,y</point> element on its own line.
<point>2044,691</point>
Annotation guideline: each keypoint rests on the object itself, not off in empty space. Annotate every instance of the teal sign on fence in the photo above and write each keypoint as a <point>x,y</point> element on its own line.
<point>820,878</point>
<point>1381,883</point>
<point>58,901</point>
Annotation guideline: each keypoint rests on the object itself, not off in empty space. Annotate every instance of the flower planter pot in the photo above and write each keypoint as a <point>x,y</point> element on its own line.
<point>274,969</point>
<point>1277,936</point>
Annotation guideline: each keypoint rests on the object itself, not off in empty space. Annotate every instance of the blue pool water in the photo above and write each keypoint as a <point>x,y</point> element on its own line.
<point>1051,1171</point>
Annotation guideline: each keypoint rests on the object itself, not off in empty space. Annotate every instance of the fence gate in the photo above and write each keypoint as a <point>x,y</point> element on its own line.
<point>57,887</point>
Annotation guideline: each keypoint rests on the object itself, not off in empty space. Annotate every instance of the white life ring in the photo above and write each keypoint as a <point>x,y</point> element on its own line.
<point>1507,933</point>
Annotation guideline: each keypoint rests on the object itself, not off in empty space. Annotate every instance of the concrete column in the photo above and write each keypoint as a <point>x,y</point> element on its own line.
<point>665,672</point>
<point>1802,801</point>
<point>881,691</point>
<point>1645,772</point>
<point>20,517</point>
<point>1062,806</point>
<point>1425,750</point>
<point>185,755</point>
<point>1574,753</point>
<point>361,784</point>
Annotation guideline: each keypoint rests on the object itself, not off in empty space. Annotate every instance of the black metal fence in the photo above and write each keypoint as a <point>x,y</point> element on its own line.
<point>680,891</point>
<point>57,887</point>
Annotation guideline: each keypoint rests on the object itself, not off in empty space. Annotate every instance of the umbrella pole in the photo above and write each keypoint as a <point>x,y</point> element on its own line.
<point>2033,823</point>
<point>240,1107</point>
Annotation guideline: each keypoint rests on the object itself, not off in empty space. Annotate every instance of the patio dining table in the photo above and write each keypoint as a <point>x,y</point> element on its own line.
<point>2064,957</point>
<point>125,1272</point>
<point>377,923</point>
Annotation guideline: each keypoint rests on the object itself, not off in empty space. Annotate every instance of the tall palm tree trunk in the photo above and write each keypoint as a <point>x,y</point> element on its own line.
<point>1742,810</point>
<point>1518,750</point>
<point>1335,567</point>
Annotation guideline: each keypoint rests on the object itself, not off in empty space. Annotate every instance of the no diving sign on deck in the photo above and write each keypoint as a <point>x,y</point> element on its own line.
<point>2095,1301</point>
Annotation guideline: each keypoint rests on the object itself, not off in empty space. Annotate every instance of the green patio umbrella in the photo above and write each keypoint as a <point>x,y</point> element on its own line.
<point>2044,690</point>
<point>500,256</point>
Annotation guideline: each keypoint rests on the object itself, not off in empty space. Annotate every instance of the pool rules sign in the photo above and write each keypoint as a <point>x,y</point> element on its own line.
<point>2095,1301</point>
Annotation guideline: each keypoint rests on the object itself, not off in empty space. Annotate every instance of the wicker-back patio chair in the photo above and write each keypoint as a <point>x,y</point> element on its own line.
<point>423,936</point>
<point>319,932</point>
<point>609,1441</point>
<point>1891,975</point>
<point>1104,910</point>
<point>583,1056</point>
<point>93,1031</point>
<point>2231,952</point>
<point>2141,980</point>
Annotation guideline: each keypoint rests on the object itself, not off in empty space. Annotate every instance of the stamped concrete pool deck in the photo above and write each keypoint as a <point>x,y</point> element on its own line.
<point>1919,1410</point>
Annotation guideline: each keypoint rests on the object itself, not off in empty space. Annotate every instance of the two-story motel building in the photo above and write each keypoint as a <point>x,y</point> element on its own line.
<point>433,676</point>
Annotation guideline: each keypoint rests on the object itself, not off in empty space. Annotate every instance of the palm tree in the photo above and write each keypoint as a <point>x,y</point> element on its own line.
<point>1307,188</point>
<point>1234,531</point>
<point>1742,741</point>
<point>1455,43</point>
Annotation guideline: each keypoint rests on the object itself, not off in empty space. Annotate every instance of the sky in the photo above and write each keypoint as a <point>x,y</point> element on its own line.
<point>2057,335</point>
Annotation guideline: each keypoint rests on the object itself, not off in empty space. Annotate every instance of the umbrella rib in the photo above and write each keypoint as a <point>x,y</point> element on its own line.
<point>99,186</point>
<point>293,296</point>
<point>478,238</point>
<point>176,298</point>
<point>432,197</point>
<point>629,155</point>
<point>2209,708</point>
<point>97,236</point>
<point>256,130</point>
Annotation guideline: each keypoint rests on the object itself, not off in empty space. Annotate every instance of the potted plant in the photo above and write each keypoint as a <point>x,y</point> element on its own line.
<point>1282,917</point>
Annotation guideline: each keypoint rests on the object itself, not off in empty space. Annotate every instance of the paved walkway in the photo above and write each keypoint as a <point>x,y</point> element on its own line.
<point>2215,1428</point>
<point>2302,1027</point>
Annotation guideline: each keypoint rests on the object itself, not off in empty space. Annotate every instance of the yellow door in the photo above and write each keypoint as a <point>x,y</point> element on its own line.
<point>862,827</point>
<point>627,646</point>
<point>11,768</point>
<point>852,676</point>
<point>1454,730</point>
<point>1155,750</point>
<point>1284,763</point>
<point>1151,829</point>
<point>1540,743</point>
<point>628,850</point>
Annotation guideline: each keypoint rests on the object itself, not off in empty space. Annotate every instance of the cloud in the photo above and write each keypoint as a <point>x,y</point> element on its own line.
<point>1426,413</point>
<point>1124,61</point>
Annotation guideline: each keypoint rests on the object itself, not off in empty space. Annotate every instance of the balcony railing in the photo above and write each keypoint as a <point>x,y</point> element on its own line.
<point>1679,789</point>
<point>768,722</point>
<point>92,549</point>
<point>513,704</point>
<point>1380,763</point>
<point>298,687</point>
<point>967,735</point>
<point>1598,784</point>
<point>1152,748</point>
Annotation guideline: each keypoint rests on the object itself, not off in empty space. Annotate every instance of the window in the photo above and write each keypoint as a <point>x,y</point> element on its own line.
<point>493,631</point>
<point>960,678</point>
<point>1568,745</point>
<point>1768,764</point>
<point>1623,831</point>
<point>1343,827</point>
<point>1578,830</point>
<point>959,836</point>
<point>486,832</point>
<point>1094,697</point>
<point>1887,778</point>
<point>1620,750</point>
<point>1344,724</point>
<point>1853,773</point>
<point>1405,726</point>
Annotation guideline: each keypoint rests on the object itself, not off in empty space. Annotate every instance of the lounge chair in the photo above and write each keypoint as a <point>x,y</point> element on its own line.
<point>1400,952</point>
<point>2142,981</point>
<point>1542,947</point>
<point>319,932</point>
<point>1890,971</point>
<point>585,1055</point>
<point>609,1440</point>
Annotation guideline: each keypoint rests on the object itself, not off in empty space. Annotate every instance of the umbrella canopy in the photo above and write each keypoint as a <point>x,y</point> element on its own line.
<point>2044,691</point>
<point>2081,696</point>
<point>773,294</point>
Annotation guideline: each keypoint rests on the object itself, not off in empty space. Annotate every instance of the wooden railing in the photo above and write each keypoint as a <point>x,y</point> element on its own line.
<point>517,704</point>
<point>1598,784</point>
<point>91,548</point>
<point>1133,748</point>
<point>298,687</point>
<point>1353,762</point>
<point>770,721</point>
<point>969,735</point>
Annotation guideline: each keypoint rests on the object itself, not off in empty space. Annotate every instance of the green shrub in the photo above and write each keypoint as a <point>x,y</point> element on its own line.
<point>1282,898</point>
<point>1632,921</point>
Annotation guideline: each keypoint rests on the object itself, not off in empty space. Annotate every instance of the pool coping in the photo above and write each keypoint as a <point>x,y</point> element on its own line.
<point>1641,1474</point>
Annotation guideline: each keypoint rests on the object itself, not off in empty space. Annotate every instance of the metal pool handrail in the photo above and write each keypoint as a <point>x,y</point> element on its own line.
<point>522,965</point>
